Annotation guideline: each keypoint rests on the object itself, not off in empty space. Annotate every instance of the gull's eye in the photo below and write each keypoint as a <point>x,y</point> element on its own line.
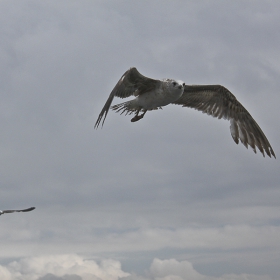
<point>174,83</point>
<point>183,84</point>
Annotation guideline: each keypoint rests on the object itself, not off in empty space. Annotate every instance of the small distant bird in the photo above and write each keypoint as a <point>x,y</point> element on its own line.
<point>12,211</point>
<point>214,100</point>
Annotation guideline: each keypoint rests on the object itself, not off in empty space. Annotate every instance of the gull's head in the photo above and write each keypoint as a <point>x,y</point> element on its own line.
<point>175,85</point>
<point>180,84</point>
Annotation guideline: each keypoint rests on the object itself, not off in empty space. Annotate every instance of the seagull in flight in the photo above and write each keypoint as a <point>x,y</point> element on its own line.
<point>214,100</point>
<point>12,211</point>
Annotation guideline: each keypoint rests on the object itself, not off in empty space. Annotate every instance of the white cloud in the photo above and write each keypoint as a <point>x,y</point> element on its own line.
<point>75,267</point>
<point>184,270</point>
<point>61,265</point>
<point>174,270</point>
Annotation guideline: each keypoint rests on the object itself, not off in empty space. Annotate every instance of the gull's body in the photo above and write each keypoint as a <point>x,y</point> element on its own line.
<point>215,100</point>
<point>12,211</point>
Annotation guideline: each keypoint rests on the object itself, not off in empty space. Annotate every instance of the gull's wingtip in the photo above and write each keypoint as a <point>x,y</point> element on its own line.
<point>98,122</point>
<point>28,209</point>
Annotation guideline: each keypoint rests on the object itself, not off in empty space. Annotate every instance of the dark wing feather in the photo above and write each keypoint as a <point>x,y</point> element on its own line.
<point>219,102</point>
<point>131,83</point>
<point>23,210</point>
<point>26,210</point>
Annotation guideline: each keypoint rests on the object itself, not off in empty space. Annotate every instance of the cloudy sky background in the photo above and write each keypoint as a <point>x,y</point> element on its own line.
<point>170,197</point>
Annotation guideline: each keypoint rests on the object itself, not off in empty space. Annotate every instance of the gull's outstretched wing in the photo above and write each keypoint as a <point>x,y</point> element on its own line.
<point>131,83</point>
<point>219,102</point>
<point>23,210</point>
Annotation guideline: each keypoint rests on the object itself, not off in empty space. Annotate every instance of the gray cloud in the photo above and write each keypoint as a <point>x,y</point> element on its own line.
<point>173,185</point>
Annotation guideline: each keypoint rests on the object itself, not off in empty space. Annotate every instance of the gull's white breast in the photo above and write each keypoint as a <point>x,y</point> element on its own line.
<point>159,97</point>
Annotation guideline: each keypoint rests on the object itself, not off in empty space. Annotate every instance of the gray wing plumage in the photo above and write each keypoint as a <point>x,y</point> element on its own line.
<point>12,211</point>
<point>219,102</point>
<point>131,83</point>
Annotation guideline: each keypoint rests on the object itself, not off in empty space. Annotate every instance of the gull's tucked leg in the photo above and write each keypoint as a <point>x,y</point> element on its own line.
<point>137,118</point>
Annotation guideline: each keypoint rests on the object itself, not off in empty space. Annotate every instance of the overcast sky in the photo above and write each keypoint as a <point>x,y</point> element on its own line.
<point>170,197</point>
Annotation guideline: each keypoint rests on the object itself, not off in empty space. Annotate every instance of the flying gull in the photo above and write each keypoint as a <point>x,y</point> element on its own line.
<point>12,211</point>
<point>214,100</point>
